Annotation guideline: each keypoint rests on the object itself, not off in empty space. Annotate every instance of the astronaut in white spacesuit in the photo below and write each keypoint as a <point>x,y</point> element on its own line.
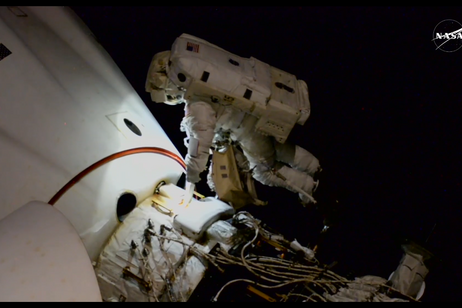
<point>272,163</point>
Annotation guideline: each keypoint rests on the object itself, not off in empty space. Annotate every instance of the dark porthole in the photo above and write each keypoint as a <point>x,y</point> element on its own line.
<point>132,127</point>
<point>233,62</point>
<point>181,77</point>
<point>125,205</point>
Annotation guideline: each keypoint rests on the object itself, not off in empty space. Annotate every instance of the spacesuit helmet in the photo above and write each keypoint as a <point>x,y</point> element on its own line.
<point>162,89</point>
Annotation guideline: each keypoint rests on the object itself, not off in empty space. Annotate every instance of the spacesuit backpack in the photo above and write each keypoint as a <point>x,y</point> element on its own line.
<point>211,74</point>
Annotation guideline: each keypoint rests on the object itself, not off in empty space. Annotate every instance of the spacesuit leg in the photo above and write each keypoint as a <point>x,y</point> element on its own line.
<point>261,154</point>
<point>258,149</point>
<point>199,124</point>
<point>297,157</point>
<point>286,177</point>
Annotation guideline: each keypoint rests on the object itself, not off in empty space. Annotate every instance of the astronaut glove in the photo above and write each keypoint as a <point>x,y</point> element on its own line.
<point>192,176</point>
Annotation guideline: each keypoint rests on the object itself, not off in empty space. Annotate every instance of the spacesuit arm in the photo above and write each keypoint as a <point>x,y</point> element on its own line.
<point>199,124</point>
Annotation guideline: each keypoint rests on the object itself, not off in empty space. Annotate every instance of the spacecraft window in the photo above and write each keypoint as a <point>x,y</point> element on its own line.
<point>125,204</point>
<point>132,127</point>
